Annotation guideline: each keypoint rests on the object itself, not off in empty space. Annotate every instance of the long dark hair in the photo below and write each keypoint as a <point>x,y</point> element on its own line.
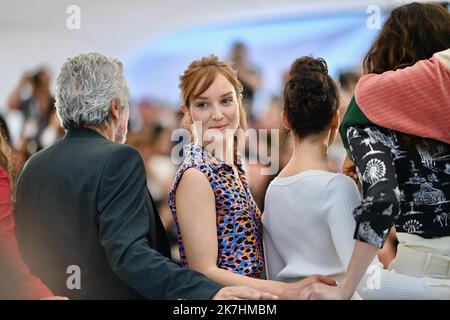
<point>413,32</point>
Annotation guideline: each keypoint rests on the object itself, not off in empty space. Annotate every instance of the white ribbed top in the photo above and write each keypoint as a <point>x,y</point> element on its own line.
<point>308,229</point>
<point>308,225</point>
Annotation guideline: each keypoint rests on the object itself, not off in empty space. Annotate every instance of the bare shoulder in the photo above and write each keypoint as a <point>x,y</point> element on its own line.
<point>195,194</point>
<point>193,181</point>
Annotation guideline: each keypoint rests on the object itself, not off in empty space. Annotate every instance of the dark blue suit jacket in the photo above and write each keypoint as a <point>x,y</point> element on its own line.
<point>83,209</point>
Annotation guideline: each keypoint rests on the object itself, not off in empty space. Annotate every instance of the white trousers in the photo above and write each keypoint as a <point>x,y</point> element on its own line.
<point>421,270</point>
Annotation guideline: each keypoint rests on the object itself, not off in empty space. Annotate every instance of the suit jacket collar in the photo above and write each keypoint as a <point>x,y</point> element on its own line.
<point>83,133</point>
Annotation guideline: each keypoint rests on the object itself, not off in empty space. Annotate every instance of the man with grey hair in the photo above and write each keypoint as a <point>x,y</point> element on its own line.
<point>86,222</point>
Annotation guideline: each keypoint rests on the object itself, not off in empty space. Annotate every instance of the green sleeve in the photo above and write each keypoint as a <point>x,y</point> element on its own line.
<point>352,117</point>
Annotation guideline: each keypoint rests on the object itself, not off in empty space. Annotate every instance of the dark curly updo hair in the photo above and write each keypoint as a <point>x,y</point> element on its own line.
<point>311,97</point>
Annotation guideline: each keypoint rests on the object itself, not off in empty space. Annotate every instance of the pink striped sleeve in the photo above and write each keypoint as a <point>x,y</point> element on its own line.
<point>413,100</point>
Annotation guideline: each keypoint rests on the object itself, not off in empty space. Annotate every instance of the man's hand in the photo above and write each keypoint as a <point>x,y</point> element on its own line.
<point>295,290</point>
<point>242,293</point>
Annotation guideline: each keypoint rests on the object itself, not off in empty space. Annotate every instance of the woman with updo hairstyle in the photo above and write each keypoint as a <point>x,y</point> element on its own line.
<point>218,222</point>
<point>307,222</point>
<point>311,99</point>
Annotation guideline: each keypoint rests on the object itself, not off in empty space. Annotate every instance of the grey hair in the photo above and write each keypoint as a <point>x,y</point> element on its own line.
<point>85,88</point>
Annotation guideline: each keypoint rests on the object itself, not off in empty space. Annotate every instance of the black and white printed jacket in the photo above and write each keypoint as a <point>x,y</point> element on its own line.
<point>403,185</point>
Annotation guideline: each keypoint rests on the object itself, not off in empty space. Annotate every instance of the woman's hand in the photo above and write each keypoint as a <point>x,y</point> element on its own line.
<point>242,293</point>
<point>320,291</point>
<point>295,290</point>
<point>349,169</point>
<point>54,298</point>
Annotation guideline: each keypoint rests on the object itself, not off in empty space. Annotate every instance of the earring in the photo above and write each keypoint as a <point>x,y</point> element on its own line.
<point>331,136</point>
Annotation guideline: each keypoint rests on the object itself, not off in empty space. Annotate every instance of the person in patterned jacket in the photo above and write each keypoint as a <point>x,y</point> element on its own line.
<point>403,161</point>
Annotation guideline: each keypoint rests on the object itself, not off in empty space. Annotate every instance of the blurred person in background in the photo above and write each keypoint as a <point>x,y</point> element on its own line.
<point>154,146</point>
<point>248,75</point>
<point>347,83</point>
<point>270,118</point>
<point>268,122</point>
<point>150,133</point>
<point>33,99</point>
<point>346,87</point>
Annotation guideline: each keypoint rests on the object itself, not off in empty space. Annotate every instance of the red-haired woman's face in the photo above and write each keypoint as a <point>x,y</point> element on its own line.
<point>215,112</point>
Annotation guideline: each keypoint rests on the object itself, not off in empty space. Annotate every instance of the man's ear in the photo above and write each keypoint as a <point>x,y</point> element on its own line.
<point>284,121</point>
<point>114,110</point>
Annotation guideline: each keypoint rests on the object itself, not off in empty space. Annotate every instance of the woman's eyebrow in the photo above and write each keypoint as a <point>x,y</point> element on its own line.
<point>223,95</point>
